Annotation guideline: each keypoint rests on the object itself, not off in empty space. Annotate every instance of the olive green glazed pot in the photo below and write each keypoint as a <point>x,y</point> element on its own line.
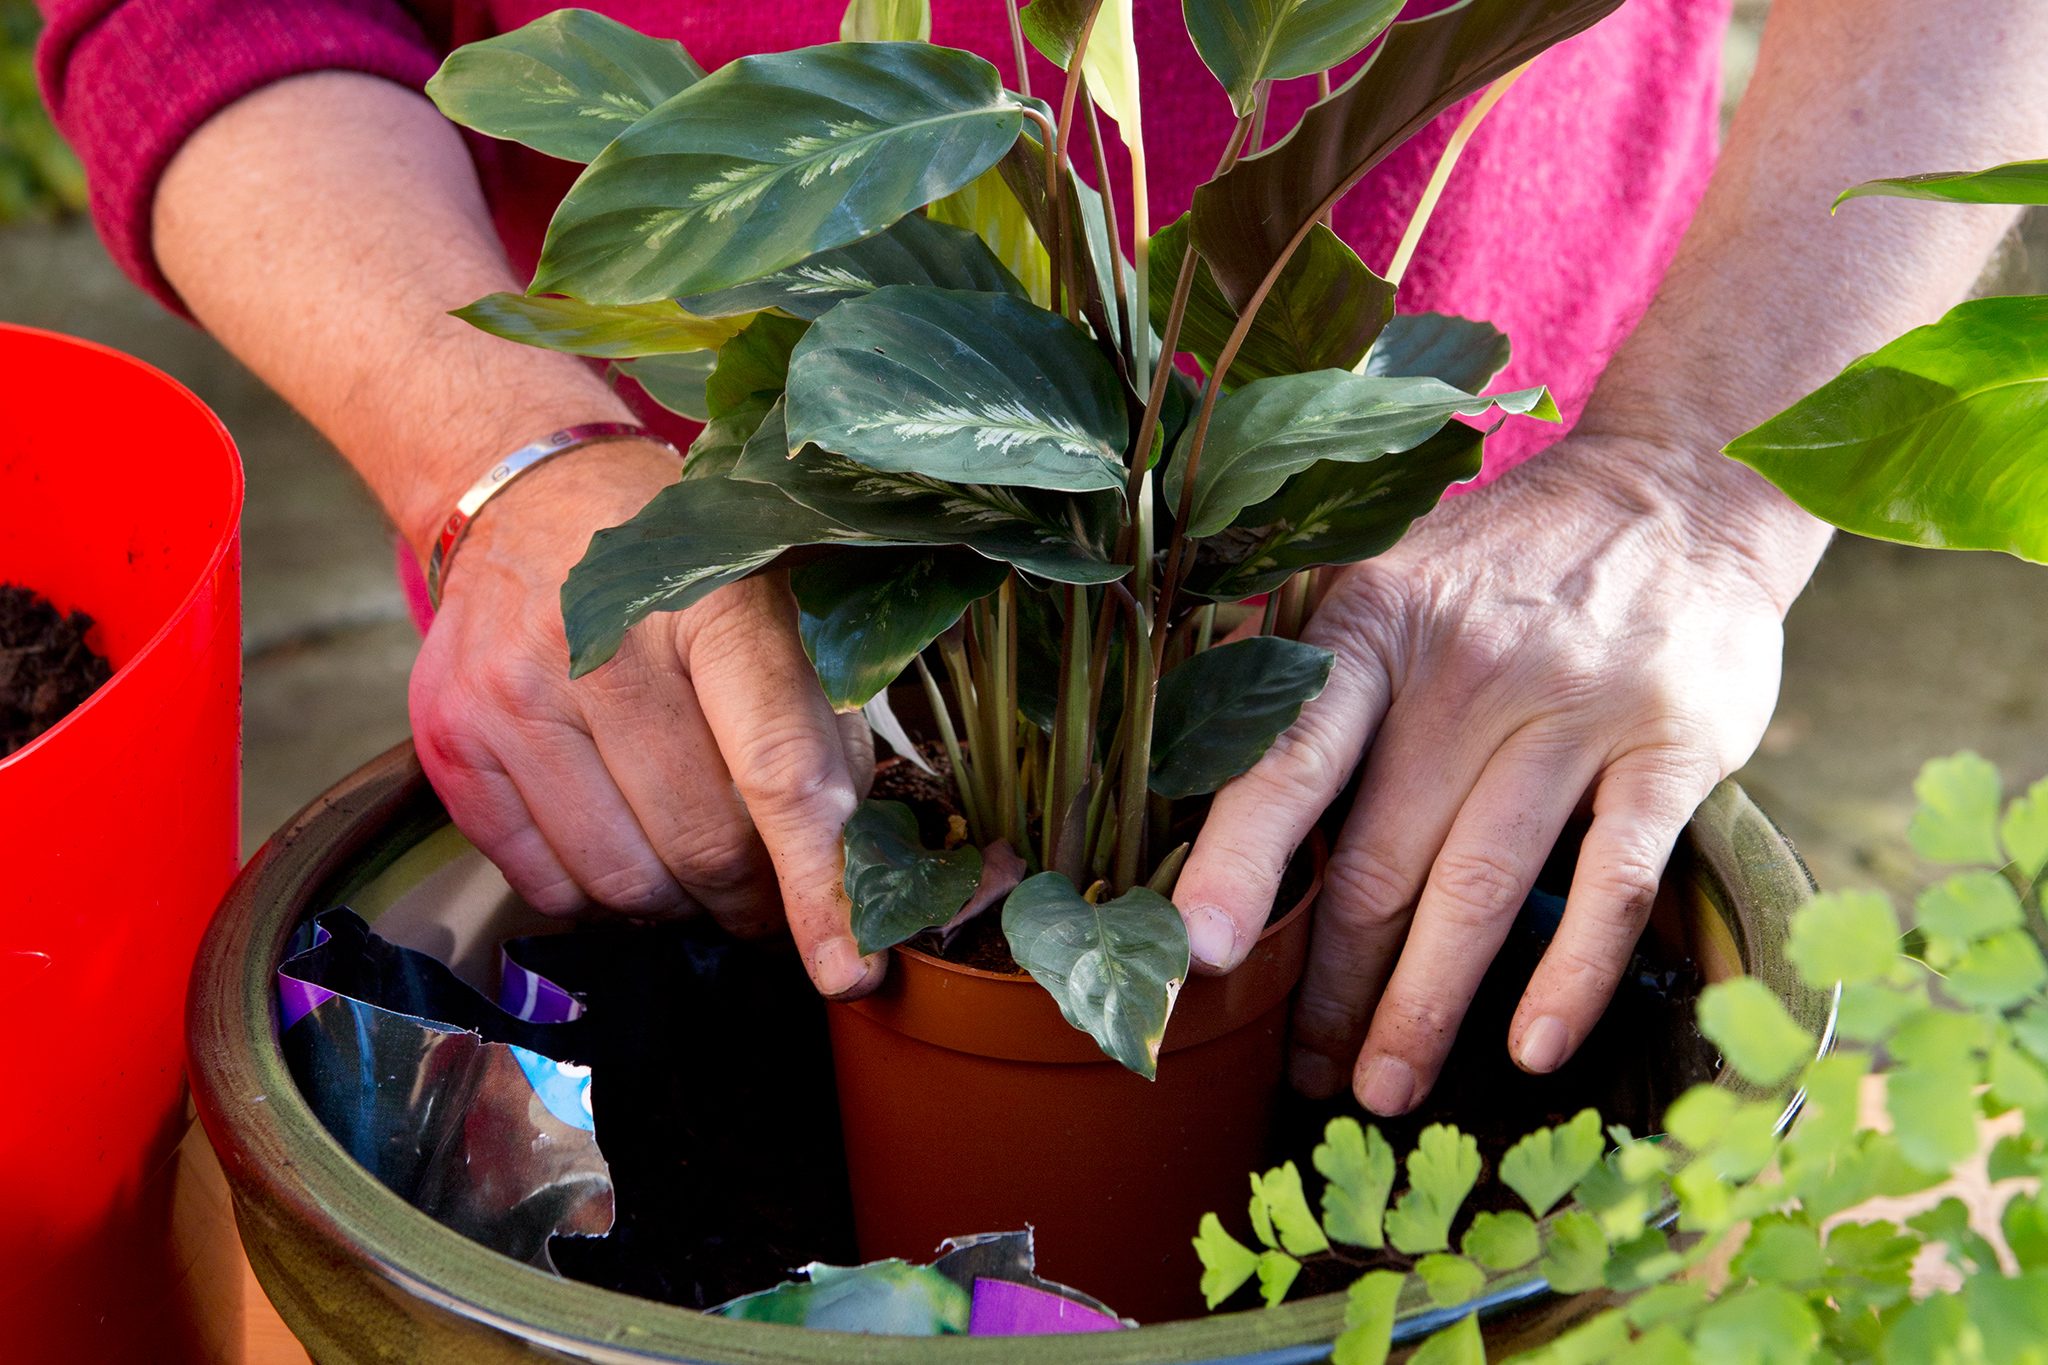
<point>361,1276</point>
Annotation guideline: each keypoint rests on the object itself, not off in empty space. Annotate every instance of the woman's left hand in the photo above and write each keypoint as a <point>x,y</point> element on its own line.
<point>1574,635</point>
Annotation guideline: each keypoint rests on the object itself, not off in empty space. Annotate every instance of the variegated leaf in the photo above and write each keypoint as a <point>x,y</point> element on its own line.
<point>1461,352</point>
<point>1331,513</point>
<point>1273,428</point>
<point>565,84</point>
<point>864,614</point>
<point>964,387</point>
<point>913,250</point>
<point>1062,537</point>
<point>772,159</point>
<point>1114,968</point>
<point>886,21</point>
<point>1248,41</point>
<point>988,207</point>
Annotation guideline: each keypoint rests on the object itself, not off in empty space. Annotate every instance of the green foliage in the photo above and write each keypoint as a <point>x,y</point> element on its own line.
<point>2016,182</point>
<point>962,386</point>
<point>937,409</point>
<point>1442,1170</point>
<point>1932,439</point>
<point>1218,712</point>
<point>771,159</point>
<point>1246,42</point>
<point>1358,1165</point>
<point>1280,1211</point>
<point>565,84</point>
<point>1813,1270</point>
<point>39,177</point>
<point>1113,968</point>
<point>899,887</point>
<point>1322,314</point>
<point>1226,1262</point>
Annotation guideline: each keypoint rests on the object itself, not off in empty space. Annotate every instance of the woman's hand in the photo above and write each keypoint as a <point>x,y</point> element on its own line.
<point>702,767</point>
<point>1564,638</point>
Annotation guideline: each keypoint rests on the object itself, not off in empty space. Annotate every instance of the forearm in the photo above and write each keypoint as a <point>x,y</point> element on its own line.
<point>322,228</point>
<point>1769,297</point>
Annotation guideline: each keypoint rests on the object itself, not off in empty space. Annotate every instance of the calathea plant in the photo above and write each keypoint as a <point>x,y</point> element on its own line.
<point>938,397</point>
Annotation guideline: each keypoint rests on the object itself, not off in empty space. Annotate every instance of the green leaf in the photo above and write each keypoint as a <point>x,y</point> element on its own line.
<point>1699,1116</point>
<point>1948,1223</point>
<point>1544,1166</point>
<point>1665,1303</point>
<point>693,538</point>
<point>1023,171</point>
<point>962,386</point>
<point>865,614</point>
<point>2016,182</point>
<point>912,250</point>
<point>1457,1344</point>
<point>1833,1105</point>
<point>1226,1262</point>
<point>1269,430</point>
<point>1279,1205</point>
<point>1933,439</point>
<point>1575,1254</point>
<point>988,207</point>
<point>1763,1325</point>
<point>1934,1113</point>
<point>1322,314</point>
<point>1502,1241</point>
<point>1934,1329</point>
<point>607,332</point>
<point>753,367</point>
<point>1111,61</point>
<point>1441,1172</point>
<point>1248,41</point>
<point>772,159</point>
<point>1780,1251</point>
<point>1596,1341</point>
<point>1244,219</point>
<point>1460,352</point>
<point>1218,712</point>
<point>2024,831</point>
<point>1276,1276</point>
<point>2017,1079</point>
<point>1113,968</point>
<point>1063,538</point>
<point>565,84</point>
<point>677,382</point>
<point>1642,1260</point>
<point>1998,972</point>
<point>1368,1318</point>
<point>898,887</point>
<point>1872,1010</point>
<point>1358,1165</point>
<point>1450,1280</point>
<point>1750,1026</point>
<point>1847,936</point>
<point>2014,1156</point>
<point>2011,1312</point>
<point>1956,820</point>
<point>886,21</point>
<point>2024,1226</point>
<point>1333,513</point>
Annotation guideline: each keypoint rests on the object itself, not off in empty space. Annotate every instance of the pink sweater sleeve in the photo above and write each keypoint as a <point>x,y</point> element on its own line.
<point>130,80</point>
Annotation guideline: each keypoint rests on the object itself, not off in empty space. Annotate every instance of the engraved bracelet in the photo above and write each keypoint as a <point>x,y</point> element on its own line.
<point>511,467</point>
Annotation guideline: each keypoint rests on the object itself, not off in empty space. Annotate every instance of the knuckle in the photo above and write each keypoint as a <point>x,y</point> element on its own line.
<point>635,889</point>
<point>1476,887</point>
<point>1625,884</point>
<point>790,769</point>
<point>1365,889</point>
<point>1308,756</point>
<point>518,688</point>
<point>1326,1023</point>
<point>723,862</point>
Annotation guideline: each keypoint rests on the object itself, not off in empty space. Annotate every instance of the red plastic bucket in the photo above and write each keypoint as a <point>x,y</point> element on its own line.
<point>120,496</point>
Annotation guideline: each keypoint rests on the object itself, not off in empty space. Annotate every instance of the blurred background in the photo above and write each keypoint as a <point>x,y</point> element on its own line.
<point>1893,655</point>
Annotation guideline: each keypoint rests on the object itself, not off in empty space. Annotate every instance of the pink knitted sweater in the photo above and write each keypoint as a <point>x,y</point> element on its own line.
<point>1557,226</point>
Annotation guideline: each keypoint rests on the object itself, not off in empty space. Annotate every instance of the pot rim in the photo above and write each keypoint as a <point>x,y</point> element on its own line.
<point>224,544</point>
<point>291,1177</point>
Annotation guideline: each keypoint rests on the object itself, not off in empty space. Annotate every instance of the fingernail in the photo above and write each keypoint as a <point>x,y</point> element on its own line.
<point>1315,1075</point>
<point>1389,1086</point>
<point>837,967</point>
<point>1212,938</point>
<point>1543,1045</point>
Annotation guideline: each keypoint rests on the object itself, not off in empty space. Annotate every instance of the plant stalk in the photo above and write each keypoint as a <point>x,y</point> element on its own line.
<point>1139,693</point>
<point>963,786</point>
<point>1072,729</point>
<point>1017,51</point>
<point>1425,207</point>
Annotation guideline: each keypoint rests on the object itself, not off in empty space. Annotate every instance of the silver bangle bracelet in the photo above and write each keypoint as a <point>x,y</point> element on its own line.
<point>504,471</point>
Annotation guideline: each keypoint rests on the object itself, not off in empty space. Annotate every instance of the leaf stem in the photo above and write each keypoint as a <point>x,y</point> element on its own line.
<point>1116,253</point>
<point>1069,221</point>
<point>1139,693</point>
<point>1071,731</point>
<point>963,787</point>
<point>1425,207</point>
<point>1017,52</point>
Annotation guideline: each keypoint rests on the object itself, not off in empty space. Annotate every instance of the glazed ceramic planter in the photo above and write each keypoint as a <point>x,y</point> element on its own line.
<point>121,496</point>
<point>362,1276</point>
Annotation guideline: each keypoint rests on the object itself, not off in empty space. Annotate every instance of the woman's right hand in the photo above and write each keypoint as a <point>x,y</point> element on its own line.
<point>701,767</point>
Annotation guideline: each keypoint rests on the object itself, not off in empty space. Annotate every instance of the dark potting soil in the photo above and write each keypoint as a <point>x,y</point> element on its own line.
<point>46,668</point>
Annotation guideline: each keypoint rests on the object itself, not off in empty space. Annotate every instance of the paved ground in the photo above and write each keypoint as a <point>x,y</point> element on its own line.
<point>1893,655</point>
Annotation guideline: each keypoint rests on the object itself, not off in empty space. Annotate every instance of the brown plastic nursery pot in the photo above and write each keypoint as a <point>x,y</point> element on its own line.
<point>970,1105</point>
